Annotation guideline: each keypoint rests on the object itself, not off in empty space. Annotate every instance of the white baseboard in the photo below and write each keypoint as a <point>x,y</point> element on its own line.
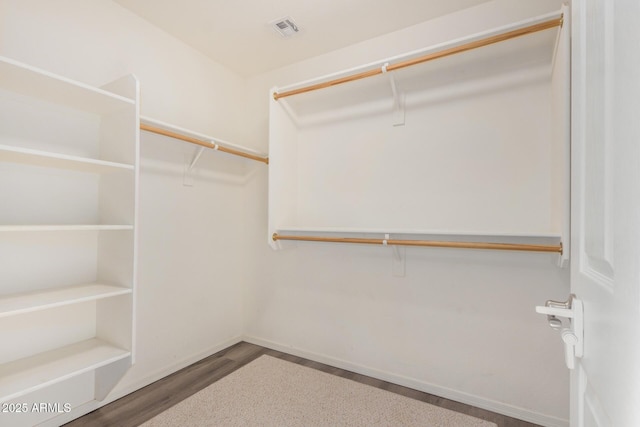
<point>458,396</point>
<point>119,393</point>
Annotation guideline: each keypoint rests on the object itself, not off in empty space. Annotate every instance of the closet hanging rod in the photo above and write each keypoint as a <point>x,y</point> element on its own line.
<point>206,144</point>
<point>541,26</point>
<point>427,243</point>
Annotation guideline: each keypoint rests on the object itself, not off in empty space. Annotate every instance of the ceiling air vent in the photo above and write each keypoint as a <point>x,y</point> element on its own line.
<point>285,26</point>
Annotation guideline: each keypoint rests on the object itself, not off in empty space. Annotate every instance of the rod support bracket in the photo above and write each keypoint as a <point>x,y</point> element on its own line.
<point>399,260</point>
<point>189,167</point>
<point>398,98</point>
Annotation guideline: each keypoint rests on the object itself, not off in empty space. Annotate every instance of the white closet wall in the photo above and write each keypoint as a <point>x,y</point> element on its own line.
<point>190,259</point>
<point>460,323</point>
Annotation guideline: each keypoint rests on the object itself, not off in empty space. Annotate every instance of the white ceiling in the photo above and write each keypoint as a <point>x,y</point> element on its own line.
<point>235,33</point>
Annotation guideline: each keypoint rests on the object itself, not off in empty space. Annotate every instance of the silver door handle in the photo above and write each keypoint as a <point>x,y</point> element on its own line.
<point>554,309</point>
<point>573,336</point>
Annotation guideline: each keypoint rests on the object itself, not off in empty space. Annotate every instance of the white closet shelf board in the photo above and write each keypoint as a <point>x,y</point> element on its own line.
<point>11,305</point>
<point>535,50</point>
<point>427,238</point>
<point>213,140</point>
<point>70,227</point>
<point>31,81</point>
<point>293,230</point>
<point>24,376</point>
<point>60,161</point>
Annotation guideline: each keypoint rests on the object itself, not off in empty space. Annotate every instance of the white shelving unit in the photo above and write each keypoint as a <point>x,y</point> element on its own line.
<point>69,156</point>
<point>472,146</point>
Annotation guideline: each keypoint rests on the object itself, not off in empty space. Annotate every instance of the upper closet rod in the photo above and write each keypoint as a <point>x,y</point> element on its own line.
<point>551,23</point>
<point>427,243</point>
<point>196,141</point>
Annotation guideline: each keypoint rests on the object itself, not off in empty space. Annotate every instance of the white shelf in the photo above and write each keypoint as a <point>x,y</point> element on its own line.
<point>452,73</point>
<point>24,376</point>
<point>57,160</point>
<point>72,227</point>
<point>422,232</point>
<point>33,301</point>
<point>31,81</point>
<point>197,135</point>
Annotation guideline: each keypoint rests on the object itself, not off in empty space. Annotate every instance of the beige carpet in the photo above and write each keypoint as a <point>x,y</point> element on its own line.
<point>273,392</point>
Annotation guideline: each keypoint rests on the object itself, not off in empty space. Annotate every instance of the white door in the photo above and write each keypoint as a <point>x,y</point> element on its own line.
<point>605,246</point>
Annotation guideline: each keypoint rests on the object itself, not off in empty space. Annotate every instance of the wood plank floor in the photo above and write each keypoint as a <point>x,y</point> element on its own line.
<point>142,405</point>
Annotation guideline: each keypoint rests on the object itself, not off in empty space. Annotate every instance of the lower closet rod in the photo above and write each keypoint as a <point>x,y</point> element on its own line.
<point>427,243</point>
<point>196,141</point>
